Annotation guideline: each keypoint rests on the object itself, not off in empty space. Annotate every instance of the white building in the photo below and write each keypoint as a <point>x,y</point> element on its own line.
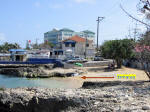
<point>56,36</point>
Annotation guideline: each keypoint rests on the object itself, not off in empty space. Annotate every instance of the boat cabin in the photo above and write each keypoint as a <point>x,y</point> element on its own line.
<point>18,55</point>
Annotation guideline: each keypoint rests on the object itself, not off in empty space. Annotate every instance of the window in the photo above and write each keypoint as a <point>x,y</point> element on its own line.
<point>73,45</point>
<point>66,45</point>
<point>56,53</point>
<point>87,45</point>
<point>51,53</point>
<point>60,53</point>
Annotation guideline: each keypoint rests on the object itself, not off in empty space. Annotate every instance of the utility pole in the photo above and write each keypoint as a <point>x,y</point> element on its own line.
<point>27,44</point>
<point>37,41</point>
<point>135,31</point>
<point>36,44</point>
<point>98,21</point>
<point>129,31</point>
<point>86,45</point>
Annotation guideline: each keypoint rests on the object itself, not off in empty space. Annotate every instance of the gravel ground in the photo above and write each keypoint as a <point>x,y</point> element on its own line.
<point>105,97</point>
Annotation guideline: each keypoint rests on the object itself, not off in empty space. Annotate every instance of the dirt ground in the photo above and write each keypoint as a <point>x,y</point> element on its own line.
<point>102,72</point>
<point>77,81</point>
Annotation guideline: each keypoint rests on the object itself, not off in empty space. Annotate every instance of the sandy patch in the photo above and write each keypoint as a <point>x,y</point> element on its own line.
<point>101,72</point>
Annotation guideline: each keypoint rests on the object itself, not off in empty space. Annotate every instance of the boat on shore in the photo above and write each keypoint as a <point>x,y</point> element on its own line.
<point>20,56</point>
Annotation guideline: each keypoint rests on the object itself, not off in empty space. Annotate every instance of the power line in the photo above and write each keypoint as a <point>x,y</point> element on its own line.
<point>109,11</point>
<point>134,17</point>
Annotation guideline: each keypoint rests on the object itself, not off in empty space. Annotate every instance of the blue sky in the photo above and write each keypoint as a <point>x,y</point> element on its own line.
<point>22,20</point>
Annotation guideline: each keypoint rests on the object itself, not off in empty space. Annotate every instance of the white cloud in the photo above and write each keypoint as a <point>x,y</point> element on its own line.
<point>37,4</point>
<point>85,1</point>
<point>2,37</point>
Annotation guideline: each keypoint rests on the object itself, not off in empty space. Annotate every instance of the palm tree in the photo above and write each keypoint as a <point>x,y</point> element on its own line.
<point>6,46</point>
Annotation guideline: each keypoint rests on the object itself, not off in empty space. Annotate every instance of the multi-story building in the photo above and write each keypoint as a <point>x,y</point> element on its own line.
<point>57,36</point>
<point>51,36</point>
<point>78,46</point>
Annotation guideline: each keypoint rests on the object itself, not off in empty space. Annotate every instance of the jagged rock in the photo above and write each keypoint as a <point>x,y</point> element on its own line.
<point>33,72</point>
<point>145,108</point>
<point>127,110</point>
<point>77,100</point>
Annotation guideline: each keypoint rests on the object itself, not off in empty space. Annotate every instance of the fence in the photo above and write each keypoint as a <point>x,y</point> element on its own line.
<point>33,61</point>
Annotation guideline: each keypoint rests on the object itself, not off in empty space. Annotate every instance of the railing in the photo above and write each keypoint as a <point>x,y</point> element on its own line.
<point>33,61</point>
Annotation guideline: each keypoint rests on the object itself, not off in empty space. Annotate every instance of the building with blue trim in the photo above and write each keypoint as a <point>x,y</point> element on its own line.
<point>18,55</point>
<point>78,46</point>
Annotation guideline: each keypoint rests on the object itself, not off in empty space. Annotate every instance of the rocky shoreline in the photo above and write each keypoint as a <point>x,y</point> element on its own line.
<point>109,97</point>
<point>36,71</point>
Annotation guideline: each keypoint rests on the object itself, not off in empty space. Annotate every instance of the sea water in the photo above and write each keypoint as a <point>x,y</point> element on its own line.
<point>14,82</point>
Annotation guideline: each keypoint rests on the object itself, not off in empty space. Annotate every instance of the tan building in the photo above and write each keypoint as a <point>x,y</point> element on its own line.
<point>78,46</point>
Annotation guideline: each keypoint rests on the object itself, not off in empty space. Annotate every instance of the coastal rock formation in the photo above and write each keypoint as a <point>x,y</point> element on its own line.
<point>40,72</point>
<point>22,72</point>
<point>96,85</point>
<point>118,98</point>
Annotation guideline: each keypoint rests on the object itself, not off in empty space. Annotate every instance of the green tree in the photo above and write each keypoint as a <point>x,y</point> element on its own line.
<point>118,50</point>
<point>48,44</point>
<point>6,46</point>
<point>143,52</point>
<point>45,45</point>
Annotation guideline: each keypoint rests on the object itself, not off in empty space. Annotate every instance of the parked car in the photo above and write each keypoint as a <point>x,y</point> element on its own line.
<point>76,59</point>
<point>98,58</point>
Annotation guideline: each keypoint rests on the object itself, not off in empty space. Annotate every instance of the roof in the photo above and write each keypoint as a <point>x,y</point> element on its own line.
<point>66,29</point>
<point>18,50</point>
<point>87,31</point>
<point>76,38</point>
<point>53,30</point>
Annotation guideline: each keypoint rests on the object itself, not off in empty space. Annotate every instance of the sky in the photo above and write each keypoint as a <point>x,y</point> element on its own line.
<point>22,20</point>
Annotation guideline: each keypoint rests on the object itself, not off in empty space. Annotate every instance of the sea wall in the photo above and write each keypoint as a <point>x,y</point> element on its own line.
<point>97,63</point>
<point>106,62</point>
<point>49,66</point>
<point>118,98</point>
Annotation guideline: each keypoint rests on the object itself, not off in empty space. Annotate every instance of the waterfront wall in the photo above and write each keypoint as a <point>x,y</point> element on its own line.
<point>90,64</point>
<point>50,66</point>
<point>33,61</point>
<point>97,63</point>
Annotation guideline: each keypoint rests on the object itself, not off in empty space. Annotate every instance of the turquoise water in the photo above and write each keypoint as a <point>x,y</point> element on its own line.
<point>14,82</point>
